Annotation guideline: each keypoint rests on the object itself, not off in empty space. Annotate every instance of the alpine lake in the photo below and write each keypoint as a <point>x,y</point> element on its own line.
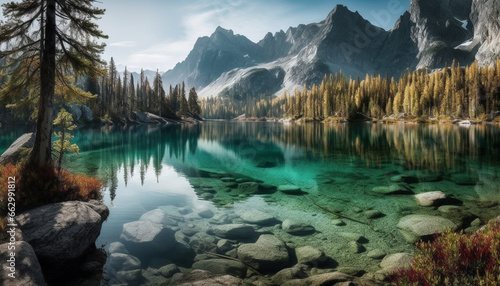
<point>181,194</point>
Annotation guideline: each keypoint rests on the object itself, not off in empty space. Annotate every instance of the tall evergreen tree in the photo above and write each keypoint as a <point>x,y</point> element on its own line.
<point>43,40</point>
<point>193,106</point>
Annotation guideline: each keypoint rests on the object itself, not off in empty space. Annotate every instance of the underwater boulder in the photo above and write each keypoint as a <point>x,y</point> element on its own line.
<point>145,236</point>
<point>232,231</point>
<point>267,253</point>
<point>291,190</point>
<point>428,199</point>
<point>394,189</point>
<point>297,227</point>
<point>256,217</point>
<point>420,226</point>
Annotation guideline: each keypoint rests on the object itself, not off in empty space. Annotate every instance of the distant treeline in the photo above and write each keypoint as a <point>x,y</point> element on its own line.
<point>453,92</point>
<point>120,95</point>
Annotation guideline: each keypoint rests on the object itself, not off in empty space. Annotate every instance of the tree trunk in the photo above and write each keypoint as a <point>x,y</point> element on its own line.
<point>41,154</point>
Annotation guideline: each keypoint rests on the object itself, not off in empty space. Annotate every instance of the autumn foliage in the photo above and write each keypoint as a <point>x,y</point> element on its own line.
<point>45,185</point>
<point>456,259</point>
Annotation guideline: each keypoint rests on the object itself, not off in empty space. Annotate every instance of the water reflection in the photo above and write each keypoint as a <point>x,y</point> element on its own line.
<point>235,147</point>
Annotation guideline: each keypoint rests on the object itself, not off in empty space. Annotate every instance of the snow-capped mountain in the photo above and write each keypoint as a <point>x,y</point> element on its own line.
<point>431,34</point>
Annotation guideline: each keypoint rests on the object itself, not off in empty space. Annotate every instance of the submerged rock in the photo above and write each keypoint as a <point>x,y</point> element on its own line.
<point>147,236</point>
<point>248,188</point>
<point>376,254</point>
<point>267,253</point>
<point>222,266</point>
<point>159,217</point>
<point>395,261</point>
<point>256,217</point>
<point>233,231</point>
<point>288,274</point>
<point>332,278</point>
<point>61,231</point>
<point>169,270</point>
<point>395,189</point>
<point>290,190</point>
<point>416,227</point>
<point>201,278</point>
<point>117,247</point>
<point>26,269</point>
<point>430,198</point>
<point>352,236</point>
<point>297,228</point>
<point>124,262</point>
<point>309,255</point>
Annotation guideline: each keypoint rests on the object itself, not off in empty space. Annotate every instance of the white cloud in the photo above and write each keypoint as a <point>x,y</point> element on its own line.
<point>123,44</point>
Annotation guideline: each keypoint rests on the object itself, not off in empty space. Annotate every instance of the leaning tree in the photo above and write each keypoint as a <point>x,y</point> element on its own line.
<point>45,45</point>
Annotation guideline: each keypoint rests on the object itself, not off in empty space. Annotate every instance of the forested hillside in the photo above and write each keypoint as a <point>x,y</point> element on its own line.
<point>452,92</point>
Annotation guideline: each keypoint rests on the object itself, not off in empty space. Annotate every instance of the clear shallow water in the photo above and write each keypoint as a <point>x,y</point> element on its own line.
<point>180,168</point>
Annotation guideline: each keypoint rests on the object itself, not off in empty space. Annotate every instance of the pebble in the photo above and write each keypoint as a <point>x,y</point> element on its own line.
<point>338,222</point>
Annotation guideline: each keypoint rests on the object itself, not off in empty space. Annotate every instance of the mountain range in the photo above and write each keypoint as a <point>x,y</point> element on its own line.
<point>430,34</point>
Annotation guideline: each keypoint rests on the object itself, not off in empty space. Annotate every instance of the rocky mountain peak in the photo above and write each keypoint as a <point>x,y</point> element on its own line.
<point>431,34</point>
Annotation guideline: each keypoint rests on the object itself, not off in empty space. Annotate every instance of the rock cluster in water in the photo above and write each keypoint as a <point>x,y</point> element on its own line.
<point>207,246</point>
<point>242,244</point>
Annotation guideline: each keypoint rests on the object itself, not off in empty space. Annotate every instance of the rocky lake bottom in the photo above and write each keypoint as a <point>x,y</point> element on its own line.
<point>362,224</point>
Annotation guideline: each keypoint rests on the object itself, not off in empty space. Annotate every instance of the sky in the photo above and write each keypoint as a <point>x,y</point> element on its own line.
<point>157,34</point>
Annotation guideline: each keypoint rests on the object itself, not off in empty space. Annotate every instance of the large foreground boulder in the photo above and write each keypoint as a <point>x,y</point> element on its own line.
<point>419,226</point>
<point>25,267</point>
<point>61,231</point>
<point>267,253</point>
<point>13,153</point>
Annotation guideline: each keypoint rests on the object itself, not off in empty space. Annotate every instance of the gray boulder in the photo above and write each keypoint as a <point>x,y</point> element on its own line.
<point>428,199</point>
<point>222,267</point>
<point>267,253</point>
<point>332,278</point>
<point>169,270</point>
<point>394,189</point>
<point>309,255</point>
<point>199,277</point>
<point>296,272</point>
<point>141,236</point>
<point>395,261</point>
<point>117,247</point>
<point>290,190</point>
<point>296,227</point>
<point>124,262</point>
<point>13,153</point>
<point>419,226</point>
<point>233,231</point>
<point>158,216</point>
<point>27,270</point>
<point>256,217</point>
<point>248,188</point>
<point>61,231</point>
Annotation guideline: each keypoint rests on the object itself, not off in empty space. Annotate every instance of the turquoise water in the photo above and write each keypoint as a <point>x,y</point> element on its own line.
<point>185,170</point>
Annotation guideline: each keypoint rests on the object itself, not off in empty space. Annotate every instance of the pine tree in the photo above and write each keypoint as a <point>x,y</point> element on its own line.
<point>44,40</point>
<point>193,106</point>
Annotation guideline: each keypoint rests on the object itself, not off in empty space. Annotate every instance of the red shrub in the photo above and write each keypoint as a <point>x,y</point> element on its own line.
<point>456,259</point>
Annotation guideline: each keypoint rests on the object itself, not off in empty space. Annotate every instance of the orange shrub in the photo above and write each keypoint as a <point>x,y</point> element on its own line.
<point>456,259</point>
<point>36,187</point>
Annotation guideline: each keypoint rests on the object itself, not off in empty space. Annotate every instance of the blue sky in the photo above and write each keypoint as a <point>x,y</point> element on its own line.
<point>155,34</point>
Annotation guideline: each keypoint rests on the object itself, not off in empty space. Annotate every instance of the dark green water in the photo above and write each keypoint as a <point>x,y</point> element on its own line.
<point>150,167</point>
